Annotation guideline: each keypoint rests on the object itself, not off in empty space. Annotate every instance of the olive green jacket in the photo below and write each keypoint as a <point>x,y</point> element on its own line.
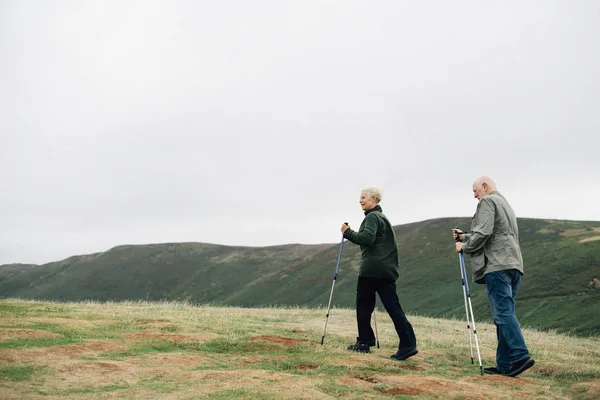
<point>378,245</point>
<point>493,243</point>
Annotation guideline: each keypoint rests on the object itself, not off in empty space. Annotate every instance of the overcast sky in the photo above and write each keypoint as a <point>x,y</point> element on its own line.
<point>258,122</point>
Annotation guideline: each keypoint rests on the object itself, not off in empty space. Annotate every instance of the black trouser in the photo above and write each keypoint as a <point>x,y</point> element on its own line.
<point>365,304</point>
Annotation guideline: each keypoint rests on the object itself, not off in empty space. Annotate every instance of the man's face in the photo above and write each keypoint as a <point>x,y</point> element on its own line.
<point>366,202</point>
<point>479,190</point>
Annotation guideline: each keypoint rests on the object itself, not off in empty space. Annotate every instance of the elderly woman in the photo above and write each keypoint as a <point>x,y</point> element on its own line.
<point>379,271</point>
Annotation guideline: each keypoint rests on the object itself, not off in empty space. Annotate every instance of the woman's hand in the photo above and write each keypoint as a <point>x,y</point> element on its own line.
<point>345,227</point>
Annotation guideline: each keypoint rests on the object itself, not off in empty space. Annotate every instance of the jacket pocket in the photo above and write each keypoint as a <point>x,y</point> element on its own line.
<point>478,265</point>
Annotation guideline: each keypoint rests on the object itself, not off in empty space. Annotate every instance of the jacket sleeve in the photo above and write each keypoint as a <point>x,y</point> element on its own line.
<point>482,228</point>
<point>366,234</point>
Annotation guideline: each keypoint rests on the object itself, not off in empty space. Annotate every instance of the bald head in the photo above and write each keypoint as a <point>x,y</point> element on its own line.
<point>483,186</point>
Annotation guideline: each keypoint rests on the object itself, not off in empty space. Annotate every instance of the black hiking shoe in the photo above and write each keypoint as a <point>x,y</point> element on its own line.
<point>492,371</point>
<point>403,354</point>
<point>520,367</point>
<point>360,347</point>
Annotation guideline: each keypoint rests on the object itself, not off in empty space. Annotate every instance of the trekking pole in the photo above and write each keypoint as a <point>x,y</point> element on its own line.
<point>463,278</point>
<point>467,295</point>
<point>375,318</point>
<point>332,286</point>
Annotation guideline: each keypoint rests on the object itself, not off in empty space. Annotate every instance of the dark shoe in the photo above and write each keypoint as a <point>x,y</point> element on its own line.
<point>360,347</point>
<point>492,371</point>
<point>368,343</point>
<point>403,354</point>
<point>520,367</point>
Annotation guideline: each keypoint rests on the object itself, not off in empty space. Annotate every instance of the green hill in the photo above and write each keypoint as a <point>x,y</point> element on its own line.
<point>559,290</point>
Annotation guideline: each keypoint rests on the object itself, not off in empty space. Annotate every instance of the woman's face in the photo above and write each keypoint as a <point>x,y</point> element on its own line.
<point>366,201</point>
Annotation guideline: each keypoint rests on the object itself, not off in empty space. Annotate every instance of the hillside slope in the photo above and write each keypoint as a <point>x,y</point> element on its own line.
<point>562,259</point>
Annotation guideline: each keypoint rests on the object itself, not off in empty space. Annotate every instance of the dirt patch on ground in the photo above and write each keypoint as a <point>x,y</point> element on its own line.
<point>11,394</point>
<point>8,334</point>
<point>58,354</point>
<point>409,367</point>
<point>249,360</point>
<point>548,369</point>
<point>435,387</point>
<point>366,378</point>
<point>379,362</point>
<point>7,358</point>
<point>88,374</point>
<point>403,391</point>
<point>586,390</point>
<point>269,384</point>
<point>278,339</point>
<point>173,360</point>
<point>354,382</point>
<point>304,367</point>
<point>169,337</point>
<point>13,322</point>
<point>505,381</point>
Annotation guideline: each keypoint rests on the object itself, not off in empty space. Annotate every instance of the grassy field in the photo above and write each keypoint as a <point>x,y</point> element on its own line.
<point>136,350</point>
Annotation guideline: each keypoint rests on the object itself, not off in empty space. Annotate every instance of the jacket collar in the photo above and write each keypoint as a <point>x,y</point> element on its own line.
<point>376,208</point>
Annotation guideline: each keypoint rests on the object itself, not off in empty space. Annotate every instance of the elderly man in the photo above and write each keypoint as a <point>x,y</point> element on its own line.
<point>379,271</point>
<point>493,245</point>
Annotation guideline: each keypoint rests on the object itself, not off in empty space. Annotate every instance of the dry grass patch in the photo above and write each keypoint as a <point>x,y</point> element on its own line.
<point>173,360</point>
<point>589,239</point>
<point>58,354</point>
<point>8,321</point>
<point>278,340</point>
<point>169,337</point>
<point>92,374</point>
<point>586,390</point>
<point>7,334</point>
<point>12,394</point>
<point>437,387</point>
<point>278,385</point>
<point>364,383</point>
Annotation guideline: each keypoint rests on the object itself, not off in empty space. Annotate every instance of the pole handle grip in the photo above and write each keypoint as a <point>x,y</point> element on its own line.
<point>458,234</point>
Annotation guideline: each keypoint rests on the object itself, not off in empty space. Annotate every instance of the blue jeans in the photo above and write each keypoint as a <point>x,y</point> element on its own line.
<point>502,287</point>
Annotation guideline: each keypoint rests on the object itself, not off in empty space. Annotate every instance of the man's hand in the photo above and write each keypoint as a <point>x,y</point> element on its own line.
<point>459,246</point>
<point>345,227</point>
<point>457,232</point>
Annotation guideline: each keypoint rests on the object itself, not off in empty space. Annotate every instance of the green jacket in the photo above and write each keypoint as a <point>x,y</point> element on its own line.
<point>378,245</point>
<point>493,242</point>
